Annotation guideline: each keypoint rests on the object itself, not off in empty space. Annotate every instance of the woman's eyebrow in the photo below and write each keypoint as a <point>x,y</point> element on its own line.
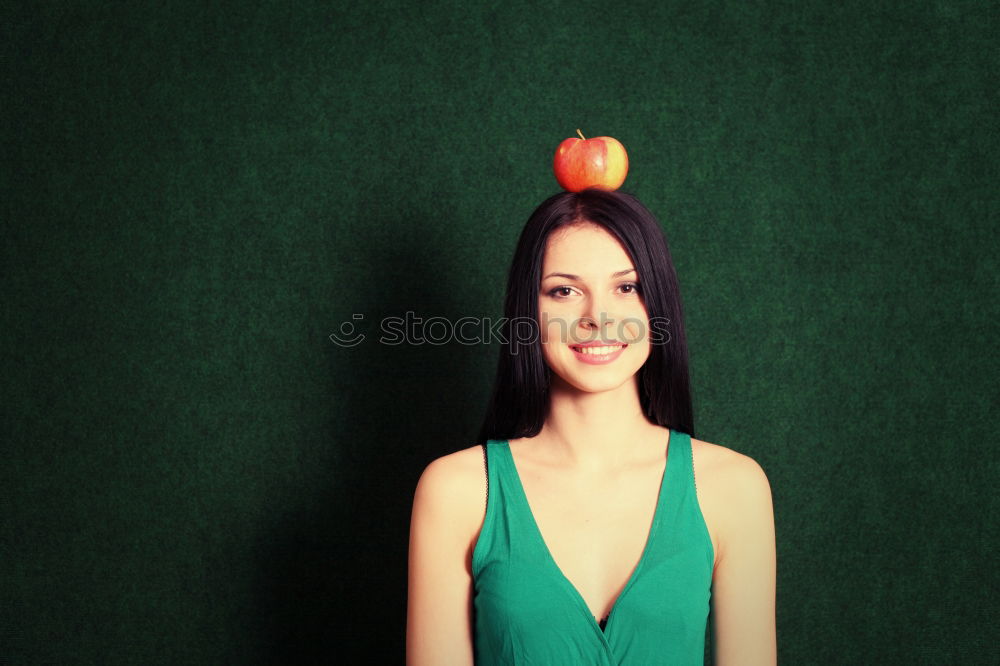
<point>568,276</point>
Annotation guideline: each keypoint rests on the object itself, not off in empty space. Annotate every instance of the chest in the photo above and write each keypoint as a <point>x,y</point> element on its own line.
<point>557,552</point>
<point>595,532</point>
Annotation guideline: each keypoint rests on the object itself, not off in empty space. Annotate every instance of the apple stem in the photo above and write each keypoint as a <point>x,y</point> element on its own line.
<point>581,135</point>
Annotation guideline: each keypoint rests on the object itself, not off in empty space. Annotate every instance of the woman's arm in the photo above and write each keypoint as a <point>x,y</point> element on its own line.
<point>439,599</point>
<point>743,585</point>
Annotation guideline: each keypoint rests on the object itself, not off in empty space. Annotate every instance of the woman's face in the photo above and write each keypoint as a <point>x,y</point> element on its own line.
<point>593,322</point>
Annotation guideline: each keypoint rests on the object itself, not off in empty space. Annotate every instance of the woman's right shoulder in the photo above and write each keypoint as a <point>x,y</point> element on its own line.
<point>443,532</point>
<point>455,484</point>
<point>456,471</point>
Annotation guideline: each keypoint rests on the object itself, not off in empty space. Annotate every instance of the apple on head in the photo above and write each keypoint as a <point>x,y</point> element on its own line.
<point>599,162</point>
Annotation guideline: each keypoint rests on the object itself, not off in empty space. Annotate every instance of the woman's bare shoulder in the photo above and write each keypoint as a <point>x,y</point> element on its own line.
<point>456,482</point>
<point>733,489</point>
<point>724,466</point>
<point>460,471</point>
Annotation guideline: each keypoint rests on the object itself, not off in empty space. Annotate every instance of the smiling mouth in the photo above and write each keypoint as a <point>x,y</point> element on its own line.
<point>595,350</point>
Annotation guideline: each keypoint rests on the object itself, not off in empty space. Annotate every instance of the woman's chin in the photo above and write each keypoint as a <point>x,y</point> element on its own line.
<point>590,384</point>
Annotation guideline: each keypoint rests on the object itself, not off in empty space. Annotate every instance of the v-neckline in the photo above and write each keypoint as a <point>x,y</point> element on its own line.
<point>660,498</point>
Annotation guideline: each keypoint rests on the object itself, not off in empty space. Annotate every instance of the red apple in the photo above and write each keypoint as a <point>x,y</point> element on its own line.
<point>599,162</point>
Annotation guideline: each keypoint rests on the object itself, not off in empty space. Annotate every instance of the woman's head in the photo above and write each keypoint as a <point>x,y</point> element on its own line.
<point>593,230</point>
<point>592,321</point>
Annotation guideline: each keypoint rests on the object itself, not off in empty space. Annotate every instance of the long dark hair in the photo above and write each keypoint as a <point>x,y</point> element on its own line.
<point>520,399</point>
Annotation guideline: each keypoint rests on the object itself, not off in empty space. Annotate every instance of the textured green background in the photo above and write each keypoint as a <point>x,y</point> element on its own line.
<point>195,197</point>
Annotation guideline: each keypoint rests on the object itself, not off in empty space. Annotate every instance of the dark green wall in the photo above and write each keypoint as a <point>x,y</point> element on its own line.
<point>194,198</point>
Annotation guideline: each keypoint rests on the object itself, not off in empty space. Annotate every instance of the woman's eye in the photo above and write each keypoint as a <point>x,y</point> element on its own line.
<point>566,292</point>
<point>630,288</point>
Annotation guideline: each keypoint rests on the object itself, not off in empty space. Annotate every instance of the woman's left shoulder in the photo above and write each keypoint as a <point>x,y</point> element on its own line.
<point>732,476</point>
<point>734,496</point>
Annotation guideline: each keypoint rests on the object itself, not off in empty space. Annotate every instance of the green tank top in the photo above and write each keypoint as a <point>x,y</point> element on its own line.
<point>528,612</point>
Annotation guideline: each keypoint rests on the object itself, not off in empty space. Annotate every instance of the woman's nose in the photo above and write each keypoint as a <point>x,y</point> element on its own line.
<point>596,308</point>
<point>595,317</point>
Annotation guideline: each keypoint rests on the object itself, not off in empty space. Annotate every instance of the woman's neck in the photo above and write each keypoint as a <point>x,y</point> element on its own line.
<point>598,431</point>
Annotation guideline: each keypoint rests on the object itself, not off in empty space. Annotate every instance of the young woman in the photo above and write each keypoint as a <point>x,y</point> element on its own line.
<point>588,496</point>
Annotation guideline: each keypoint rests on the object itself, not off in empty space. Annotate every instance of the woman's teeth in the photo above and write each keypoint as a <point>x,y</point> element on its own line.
<point>598,351</point>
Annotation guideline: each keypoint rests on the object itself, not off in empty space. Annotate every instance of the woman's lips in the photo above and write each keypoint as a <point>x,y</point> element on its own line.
<point>597,353</point>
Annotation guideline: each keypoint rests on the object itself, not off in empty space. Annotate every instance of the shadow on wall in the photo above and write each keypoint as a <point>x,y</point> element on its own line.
<point>333,575</point>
